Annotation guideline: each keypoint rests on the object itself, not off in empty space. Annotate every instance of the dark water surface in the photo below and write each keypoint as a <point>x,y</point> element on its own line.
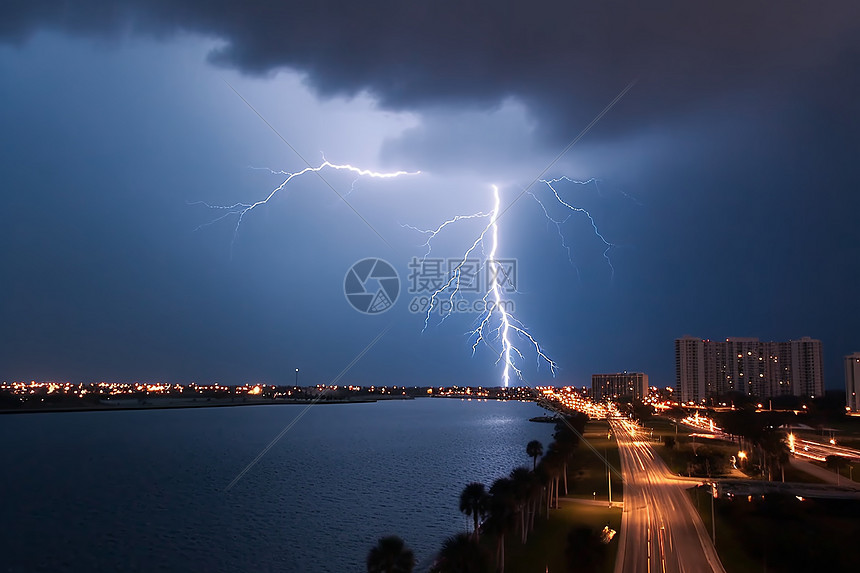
<point>145,490</point>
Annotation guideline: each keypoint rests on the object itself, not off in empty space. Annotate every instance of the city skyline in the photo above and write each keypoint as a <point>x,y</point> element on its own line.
<point>771,369</point>
<point>623,377</point>
<point>714,161</point>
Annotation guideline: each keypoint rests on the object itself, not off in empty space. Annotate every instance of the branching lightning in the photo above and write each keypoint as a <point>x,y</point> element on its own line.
<point>507,322</point>
<point>431,233</point>
<point>551,184</point>
<point>241,209</point>
<point>496,323</point>
<point>496,326</point>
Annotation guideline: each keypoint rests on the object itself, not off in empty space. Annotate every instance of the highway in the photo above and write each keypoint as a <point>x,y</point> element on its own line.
<point>815,450</point>
<point>661,532</point>
<point>801,448</point>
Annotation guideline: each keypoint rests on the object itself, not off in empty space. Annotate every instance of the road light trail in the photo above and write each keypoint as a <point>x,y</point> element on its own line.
<point>660,529</point>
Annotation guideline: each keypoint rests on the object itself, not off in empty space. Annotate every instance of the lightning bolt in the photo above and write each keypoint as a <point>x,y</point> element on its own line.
<point>507,322</point>
<point>496,323</point>
<point>552,184</point>
<point>431,233</point>
<point>242,209</point>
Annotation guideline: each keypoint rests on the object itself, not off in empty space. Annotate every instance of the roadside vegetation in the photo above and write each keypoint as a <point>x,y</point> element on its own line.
<point>550,516</point>
<point>781,533</point>
<point>687,455</point>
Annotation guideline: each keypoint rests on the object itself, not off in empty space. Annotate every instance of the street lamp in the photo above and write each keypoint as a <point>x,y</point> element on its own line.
<point>742,456</point>
<point>714,494</point>
<point>297,377</point>
<point>608,478</point>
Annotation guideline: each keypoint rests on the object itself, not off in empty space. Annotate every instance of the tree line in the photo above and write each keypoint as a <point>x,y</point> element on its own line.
<point>507,509</point>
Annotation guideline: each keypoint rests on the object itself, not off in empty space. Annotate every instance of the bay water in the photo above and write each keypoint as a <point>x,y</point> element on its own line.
<point>147,490</point>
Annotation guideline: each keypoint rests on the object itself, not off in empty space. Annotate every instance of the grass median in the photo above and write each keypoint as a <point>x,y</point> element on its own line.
<point>550,546</point>
<point>587,473</point>
<point>549,549</point>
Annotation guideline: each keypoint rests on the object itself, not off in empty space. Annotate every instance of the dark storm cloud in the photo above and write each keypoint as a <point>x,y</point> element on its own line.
<point>740,141</point>
<point>564,59</point>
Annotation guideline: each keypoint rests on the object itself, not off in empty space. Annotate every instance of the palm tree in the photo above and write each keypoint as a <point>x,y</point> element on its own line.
<point>551,467</point>
<point>502,516</point>
<point>521,481</point>
<point>535,495</point>
<point>534,449</point>
<point>566,448</point>
<point>473,501</point>
<point>528,488</point>
<point>462,553</point>
<point>742,423</point>
<point>390,556</point>
<point>541,476</point>
<point>567,433</point>
<point>775,450</point>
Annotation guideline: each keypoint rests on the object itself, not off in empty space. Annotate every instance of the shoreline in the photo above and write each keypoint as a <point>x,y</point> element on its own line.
<point>187,405</point>
<point>174,404</point>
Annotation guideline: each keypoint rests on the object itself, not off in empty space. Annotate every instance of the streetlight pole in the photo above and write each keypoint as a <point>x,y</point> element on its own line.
<point>608,477</point>
<point>297,377</point>
<point>713,517</point>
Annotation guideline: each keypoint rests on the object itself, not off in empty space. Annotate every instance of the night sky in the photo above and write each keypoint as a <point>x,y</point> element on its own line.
<point>727,179</point>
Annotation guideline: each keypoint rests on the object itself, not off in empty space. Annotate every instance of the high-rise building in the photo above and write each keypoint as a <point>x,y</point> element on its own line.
<point>622,384</point>
<point>690,369</point>
<point>746,365</point>
<point>806,373</point>
<point>852,382</point>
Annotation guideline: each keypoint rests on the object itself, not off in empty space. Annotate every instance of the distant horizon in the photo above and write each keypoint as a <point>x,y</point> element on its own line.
<point>363,386</point>
<point>208,198</point>
<point>836,385</point>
